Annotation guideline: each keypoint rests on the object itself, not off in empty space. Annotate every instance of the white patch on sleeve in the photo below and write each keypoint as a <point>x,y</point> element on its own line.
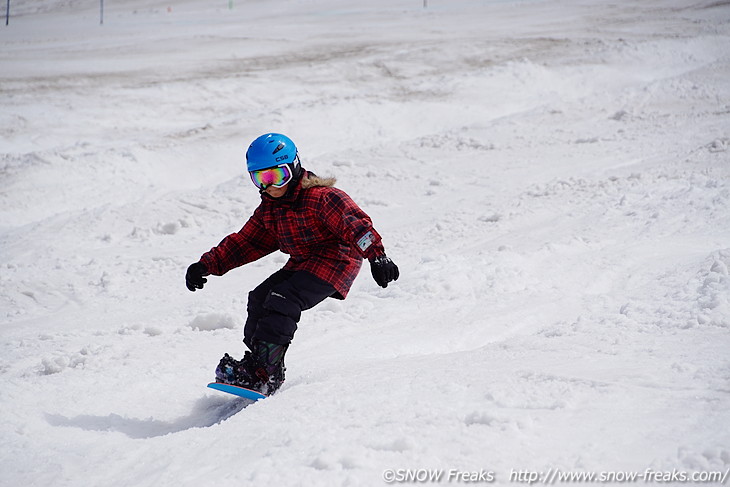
<point>366,241</point>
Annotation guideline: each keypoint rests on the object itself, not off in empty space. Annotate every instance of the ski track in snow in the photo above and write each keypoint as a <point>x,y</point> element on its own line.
<point>552,179</point>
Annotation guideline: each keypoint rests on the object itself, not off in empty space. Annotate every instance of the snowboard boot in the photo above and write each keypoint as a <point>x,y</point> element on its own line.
<point>260,370</point>
<point>229,369</point>
<point>268,359</point>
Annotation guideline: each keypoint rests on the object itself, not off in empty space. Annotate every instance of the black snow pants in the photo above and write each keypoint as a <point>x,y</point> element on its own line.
<point>275,306</point>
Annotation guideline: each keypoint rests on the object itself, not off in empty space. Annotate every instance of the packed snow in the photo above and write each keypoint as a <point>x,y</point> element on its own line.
<point>551,176</point>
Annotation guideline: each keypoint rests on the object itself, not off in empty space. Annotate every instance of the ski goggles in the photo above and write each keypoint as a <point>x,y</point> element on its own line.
<point>277,177</point>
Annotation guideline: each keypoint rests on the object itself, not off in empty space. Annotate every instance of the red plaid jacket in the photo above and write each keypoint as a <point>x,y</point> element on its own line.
<point>320,227</point>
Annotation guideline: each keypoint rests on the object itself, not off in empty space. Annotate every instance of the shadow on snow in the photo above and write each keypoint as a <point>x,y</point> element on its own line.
<point>208,411</point>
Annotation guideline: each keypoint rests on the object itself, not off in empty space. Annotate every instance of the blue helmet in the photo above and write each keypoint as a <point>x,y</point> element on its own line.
<point>271,150</point>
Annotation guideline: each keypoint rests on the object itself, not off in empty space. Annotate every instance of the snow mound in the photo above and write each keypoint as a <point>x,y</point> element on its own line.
<point>216,321</point>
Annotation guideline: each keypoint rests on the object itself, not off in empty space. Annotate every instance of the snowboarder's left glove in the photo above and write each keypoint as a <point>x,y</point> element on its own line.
<point>384,270</point>
<point>194,277</point>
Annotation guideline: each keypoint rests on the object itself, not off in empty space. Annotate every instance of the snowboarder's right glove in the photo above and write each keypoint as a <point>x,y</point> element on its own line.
<point>384,270</point>
<point>194,277</point>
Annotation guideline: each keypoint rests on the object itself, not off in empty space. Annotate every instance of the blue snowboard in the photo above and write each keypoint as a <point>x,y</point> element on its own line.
<point>237,391</point>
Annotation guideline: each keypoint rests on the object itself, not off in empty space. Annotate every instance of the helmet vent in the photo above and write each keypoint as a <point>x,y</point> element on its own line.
<point>278,148</point>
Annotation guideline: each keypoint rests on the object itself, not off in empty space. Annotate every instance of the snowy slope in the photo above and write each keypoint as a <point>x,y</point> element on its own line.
<point>552,178</point>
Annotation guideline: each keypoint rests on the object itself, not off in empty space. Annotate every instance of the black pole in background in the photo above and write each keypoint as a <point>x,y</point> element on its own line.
<point>7,13</point>
<point>101,12</point>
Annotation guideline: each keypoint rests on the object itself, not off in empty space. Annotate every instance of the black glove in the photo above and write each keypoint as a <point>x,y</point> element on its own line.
<point>384,270</point>
<point>194,277</point>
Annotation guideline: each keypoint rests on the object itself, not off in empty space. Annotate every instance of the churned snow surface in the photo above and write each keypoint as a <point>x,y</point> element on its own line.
<point>552,178</point>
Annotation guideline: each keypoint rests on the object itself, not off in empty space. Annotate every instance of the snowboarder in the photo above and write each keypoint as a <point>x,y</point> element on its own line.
<point>326,236</point>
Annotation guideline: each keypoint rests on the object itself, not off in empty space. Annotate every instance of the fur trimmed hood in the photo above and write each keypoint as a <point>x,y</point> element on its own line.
<point>311,180</point>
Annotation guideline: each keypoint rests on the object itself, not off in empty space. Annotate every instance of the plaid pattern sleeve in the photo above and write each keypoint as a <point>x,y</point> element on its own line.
<point>346,219</point>
<point>251,243</point>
